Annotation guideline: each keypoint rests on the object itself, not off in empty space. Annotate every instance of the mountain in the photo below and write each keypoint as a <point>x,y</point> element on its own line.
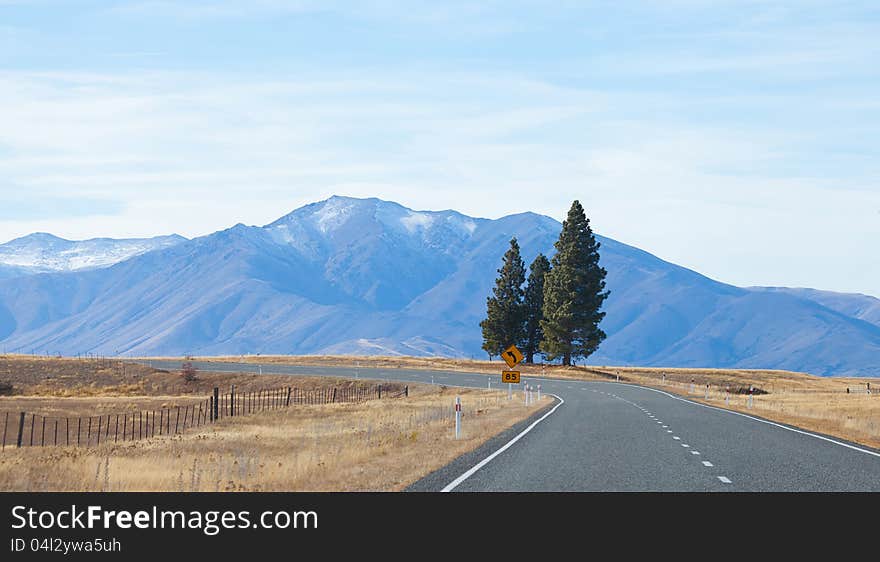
<point>863,307</point>
<point>365,276</point>
<point>41,253</point>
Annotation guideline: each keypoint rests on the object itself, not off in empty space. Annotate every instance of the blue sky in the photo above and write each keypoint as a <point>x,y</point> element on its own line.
<point>741,139</point>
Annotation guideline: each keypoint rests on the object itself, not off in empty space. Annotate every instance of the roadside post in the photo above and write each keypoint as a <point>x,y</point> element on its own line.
<point>727,396</point>
<point>458,417</point>
<point>707,391</point>
<point>751,396</point>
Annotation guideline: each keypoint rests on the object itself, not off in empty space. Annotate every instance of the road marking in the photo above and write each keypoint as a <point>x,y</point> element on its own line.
<point>668,431</point>
<point>685,445</point>
<point>707,463</point>
<point>768,422</point>
<point>695,452</point>
<point>676,437</point>
<point>665,426</point>
<point>473,470</point>
<point>725,479</point>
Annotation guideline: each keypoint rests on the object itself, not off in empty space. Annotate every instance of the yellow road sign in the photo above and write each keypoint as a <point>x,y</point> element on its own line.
<point>512,356</point>
<point>510,376</point>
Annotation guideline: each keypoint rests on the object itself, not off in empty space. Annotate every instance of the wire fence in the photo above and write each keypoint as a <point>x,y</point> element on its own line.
<point>23,429</point>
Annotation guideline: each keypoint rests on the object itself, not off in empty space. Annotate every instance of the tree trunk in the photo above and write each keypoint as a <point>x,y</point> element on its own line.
<point>566,359</point>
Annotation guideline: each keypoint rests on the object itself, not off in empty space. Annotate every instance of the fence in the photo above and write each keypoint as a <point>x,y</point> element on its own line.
<point>22,429</point>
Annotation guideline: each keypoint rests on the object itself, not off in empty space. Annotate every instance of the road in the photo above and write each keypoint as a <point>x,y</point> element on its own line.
<point>607,436</point>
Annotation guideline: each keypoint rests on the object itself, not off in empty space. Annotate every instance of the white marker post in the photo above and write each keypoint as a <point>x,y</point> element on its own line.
<point>510,391</point>
<point>458,417</point>
<point>707,392</point>
<point>490,382</point>
<point>539,393</point>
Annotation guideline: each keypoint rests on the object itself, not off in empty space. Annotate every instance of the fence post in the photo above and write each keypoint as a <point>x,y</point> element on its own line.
<point>288,396</point>
<point>406,391</point>
<point>20,431</point>
<point>214,406</point>
<point>380,392</point>
<point>334,395</point>
<point>232,401</point>
<point>5,427</point>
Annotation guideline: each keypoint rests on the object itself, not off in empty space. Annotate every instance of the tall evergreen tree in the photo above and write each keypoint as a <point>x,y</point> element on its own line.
<point>534,303</point>
<point>574,291</point>
<point>505,313</point>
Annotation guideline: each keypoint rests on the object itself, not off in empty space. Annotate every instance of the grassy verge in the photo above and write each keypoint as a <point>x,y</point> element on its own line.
<point>374,445</point>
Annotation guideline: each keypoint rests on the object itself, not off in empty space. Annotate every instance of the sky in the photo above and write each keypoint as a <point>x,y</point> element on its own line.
<point>740,139</point>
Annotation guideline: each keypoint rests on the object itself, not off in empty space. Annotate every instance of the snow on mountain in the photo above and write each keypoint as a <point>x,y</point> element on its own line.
<point>365,276</point>
<point>41,252</point>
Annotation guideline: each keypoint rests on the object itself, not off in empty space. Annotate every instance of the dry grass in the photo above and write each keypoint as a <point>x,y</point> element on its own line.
<point>374,445</point>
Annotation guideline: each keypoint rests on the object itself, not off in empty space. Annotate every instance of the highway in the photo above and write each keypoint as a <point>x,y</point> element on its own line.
<point>607,436</point>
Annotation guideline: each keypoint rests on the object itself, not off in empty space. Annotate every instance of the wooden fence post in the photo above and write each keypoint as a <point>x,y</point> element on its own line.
<point>100,419</point>
<point>215,408</point>
<point>5,426</point>
<point>288,396</point>
<point>380,392</point>
<point>232,401</point>
<point>79,422</point>
<point>20,431</point>
<point>406,391</point>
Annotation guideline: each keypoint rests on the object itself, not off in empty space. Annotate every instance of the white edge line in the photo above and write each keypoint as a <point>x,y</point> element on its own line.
<point>779,425</point>
<point>454,484</point>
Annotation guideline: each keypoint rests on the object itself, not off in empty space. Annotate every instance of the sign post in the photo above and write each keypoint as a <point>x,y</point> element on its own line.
<point>512,356</point>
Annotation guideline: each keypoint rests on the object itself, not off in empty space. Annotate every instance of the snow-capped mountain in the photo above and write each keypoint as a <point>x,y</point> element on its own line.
<point>365,276</point>
<point>41,252</point>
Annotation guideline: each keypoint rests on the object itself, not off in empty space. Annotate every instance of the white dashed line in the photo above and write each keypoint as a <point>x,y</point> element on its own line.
<point>695,452</point>
<point>725,479</point>
<point>665,426</point>
<point>685,445</point>
<point>707,463</point>
<point>668,431</point>
<point>676,437</point>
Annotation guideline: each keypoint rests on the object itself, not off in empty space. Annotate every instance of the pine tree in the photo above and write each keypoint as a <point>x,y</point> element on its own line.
<point>574,292</point>
<point>505,313</point>
<point>534,303</point>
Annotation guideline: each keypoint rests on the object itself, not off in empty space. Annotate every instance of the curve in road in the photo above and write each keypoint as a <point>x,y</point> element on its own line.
<point>607,436</point>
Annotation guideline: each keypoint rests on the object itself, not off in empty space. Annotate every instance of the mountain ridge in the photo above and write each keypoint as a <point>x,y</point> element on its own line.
<point>365,276</point>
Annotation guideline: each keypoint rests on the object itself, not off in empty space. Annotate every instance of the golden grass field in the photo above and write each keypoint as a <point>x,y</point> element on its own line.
<point>373,445</point>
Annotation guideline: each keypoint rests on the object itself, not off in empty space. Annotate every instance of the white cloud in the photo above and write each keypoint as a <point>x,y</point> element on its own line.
<point>193,153</point>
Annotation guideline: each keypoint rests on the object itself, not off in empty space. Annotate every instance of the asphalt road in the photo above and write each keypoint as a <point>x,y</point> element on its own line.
<point>607,436</point>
